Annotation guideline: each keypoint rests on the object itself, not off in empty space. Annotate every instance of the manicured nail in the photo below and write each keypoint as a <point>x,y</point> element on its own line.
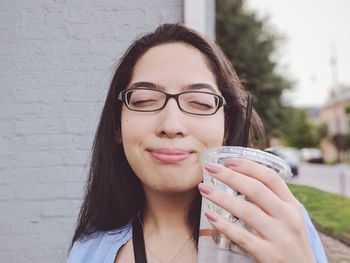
<point>212,167</point>
<point>232,162</point>
<point>211,216</point>
<point>205,189</point>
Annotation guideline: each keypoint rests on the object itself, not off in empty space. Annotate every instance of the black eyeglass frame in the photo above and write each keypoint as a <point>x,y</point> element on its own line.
<point>221,100</point>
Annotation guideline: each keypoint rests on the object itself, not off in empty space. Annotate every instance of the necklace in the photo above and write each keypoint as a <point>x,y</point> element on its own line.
<point>178,255</point>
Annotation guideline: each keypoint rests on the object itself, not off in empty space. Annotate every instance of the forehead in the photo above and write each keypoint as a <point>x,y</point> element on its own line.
<point>173,65</point>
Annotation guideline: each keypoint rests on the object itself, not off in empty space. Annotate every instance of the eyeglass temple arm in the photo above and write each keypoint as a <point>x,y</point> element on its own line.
<point>120,96</point>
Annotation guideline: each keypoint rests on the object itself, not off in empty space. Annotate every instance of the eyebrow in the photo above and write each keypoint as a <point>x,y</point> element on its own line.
<point>145,84</point>
<point>195,86</point>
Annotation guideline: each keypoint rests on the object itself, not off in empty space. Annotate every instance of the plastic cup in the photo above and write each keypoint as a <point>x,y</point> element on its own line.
<point>214,246</point>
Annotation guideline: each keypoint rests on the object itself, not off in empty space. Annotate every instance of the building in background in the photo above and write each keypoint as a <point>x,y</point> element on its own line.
<point>336,115</point>
<point>200,15</point>
<point>56,61</point>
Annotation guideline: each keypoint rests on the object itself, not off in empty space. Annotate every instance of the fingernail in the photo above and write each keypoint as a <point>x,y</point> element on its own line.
<point>211,216</point>
<point>212,168</point>
<point>232,162</point>
<point>205,189</point>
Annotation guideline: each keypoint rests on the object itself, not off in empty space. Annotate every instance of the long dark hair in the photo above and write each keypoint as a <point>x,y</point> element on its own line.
<point>114,194</point>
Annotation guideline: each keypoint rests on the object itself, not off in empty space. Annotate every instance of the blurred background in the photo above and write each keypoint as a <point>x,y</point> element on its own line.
<point>56,61</point>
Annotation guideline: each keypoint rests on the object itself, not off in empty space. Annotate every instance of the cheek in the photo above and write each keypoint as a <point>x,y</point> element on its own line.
<point>133,133</point>
<point>127,130</point>
<point>213,131</point>
<point>131,127</point>
<point>130,133</point>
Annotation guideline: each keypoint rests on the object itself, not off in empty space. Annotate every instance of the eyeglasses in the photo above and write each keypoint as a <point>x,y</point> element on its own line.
<point>192,102</point>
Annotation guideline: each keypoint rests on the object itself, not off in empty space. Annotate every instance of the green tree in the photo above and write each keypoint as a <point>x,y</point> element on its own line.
<point>299,132</point>
<point>250,47</point>
<point>341,141</point>
<point>322,130</point>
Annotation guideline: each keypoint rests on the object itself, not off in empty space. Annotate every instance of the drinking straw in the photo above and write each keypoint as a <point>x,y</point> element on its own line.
<point>248,117</point>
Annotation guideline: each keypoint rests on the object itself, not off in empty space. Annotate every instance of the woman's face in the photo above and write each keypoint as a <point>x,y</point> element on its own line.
<point>163,148</point>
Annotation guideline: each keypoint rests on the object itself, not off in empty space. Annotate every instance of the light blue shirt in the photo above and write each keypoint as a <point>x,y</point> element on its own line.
<point>102,247</point>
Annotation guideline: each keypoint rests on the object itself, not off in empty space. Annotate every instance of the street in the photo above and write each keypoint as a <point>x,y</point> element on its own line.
<point>336,251</point>
<point>335,178</point>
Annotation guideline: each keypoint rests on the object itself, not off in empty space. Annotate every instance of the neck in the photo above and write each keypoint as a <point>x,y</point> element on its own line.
<point>166,214</point>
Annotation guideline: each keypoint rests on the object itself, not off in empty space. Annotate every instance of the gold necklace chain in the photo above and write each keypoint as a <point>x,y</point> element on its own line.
<point>176,257</point>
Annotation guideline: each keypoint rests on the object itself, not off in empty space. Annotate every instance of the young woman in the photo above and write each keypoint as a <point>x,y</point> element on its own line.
<point>173,95</point>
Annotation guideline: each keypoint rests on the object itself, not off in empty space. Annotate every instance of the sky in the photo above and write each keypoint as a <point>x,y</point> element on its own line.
<point>314,32</point>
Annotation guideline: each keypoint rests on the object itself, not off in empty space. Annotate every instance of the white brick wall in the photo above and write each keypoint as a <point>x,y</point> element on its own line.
<point>56,61</point>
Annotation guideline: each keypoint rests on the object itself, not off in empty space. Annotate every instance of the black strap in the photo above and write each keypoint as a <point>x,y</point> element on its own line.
<point>138,241</point>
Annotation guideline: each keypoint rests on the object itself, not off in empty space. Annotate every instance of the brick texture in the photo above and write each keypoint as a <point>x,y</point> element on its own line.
<point>56,61</point>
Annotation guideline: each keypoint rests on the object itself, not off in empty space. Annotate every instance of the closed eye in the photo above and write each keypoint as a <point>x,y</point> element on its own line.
<point>140,102</point>
<point>199,105</point>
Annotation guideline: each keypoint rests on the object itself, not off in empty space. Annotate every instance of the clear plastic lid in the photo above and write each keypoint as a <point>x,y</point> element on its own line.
<point>219,154</point>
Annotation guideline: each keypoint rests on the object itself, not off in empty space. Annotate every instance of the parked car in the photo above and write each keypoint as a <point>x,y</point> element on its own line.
<point>312,155</point>
<point>289,154</point>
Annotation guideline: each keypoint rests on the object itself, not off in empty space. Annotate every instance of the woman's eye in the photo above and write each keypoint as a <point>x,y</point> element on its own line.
<point>200,105</point>
<point>142,102</point>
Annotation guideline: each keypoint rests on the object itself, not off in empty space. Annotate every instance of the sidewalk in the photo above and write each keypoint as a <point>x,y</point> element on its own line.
<point>336,251</point>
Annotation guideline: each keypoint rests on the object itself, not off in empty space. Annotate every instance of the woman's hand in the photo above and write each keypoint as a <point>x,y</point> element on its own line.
<point>276,214</point>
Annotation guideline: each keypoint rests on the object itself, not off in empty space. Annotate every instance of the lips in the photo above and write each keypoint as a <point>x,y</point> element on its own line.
<point>167,155</point>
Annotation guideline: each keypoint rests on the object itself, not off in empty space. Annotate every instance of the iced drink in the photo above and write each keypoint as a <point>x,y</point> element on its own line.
<point>213,246</point>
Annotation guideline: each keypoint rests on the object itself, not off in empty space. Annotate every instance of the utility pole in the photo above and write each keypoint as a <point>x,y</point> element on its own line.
<point>336,92</point>
<point>334,67</point>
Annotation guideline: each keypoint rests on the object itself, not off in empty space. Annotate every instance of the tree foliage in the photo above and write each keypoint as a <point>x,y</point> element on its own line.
<point>341,141</point>
<point>300,132</point>
<point>249,47</point>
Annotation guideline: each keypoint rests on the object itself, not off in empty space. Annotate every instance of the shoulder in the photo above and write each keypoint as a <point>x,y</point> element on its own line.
<point>100,246</point>
<point>314,238</point>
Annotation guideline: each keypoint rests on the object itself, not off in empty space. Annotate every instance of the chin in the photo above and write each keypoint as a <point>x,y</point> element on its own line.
<point>179,185</point>
<point>170,179</point>
<point>176,189</point>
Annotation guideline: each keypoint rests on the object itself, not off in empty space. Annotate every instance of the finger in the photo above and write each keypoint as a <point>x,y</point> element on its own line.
<point>252,188</point>
<point>263,174</point>
<point>244,239</point>
<point>244,210</point>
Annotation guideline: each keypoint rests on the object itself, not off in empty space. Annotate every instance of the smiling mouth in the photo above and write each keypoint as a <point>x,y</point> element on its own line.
<point>166,155</point>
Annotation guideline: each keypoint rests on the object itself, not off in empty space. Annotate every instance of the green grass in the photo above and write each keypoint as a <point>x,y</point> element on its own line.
<point>328,211</point>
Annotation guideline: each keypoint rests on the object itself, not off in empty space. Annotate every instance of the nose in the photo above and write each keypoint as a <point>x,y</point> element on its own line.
<point>171,121</point>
